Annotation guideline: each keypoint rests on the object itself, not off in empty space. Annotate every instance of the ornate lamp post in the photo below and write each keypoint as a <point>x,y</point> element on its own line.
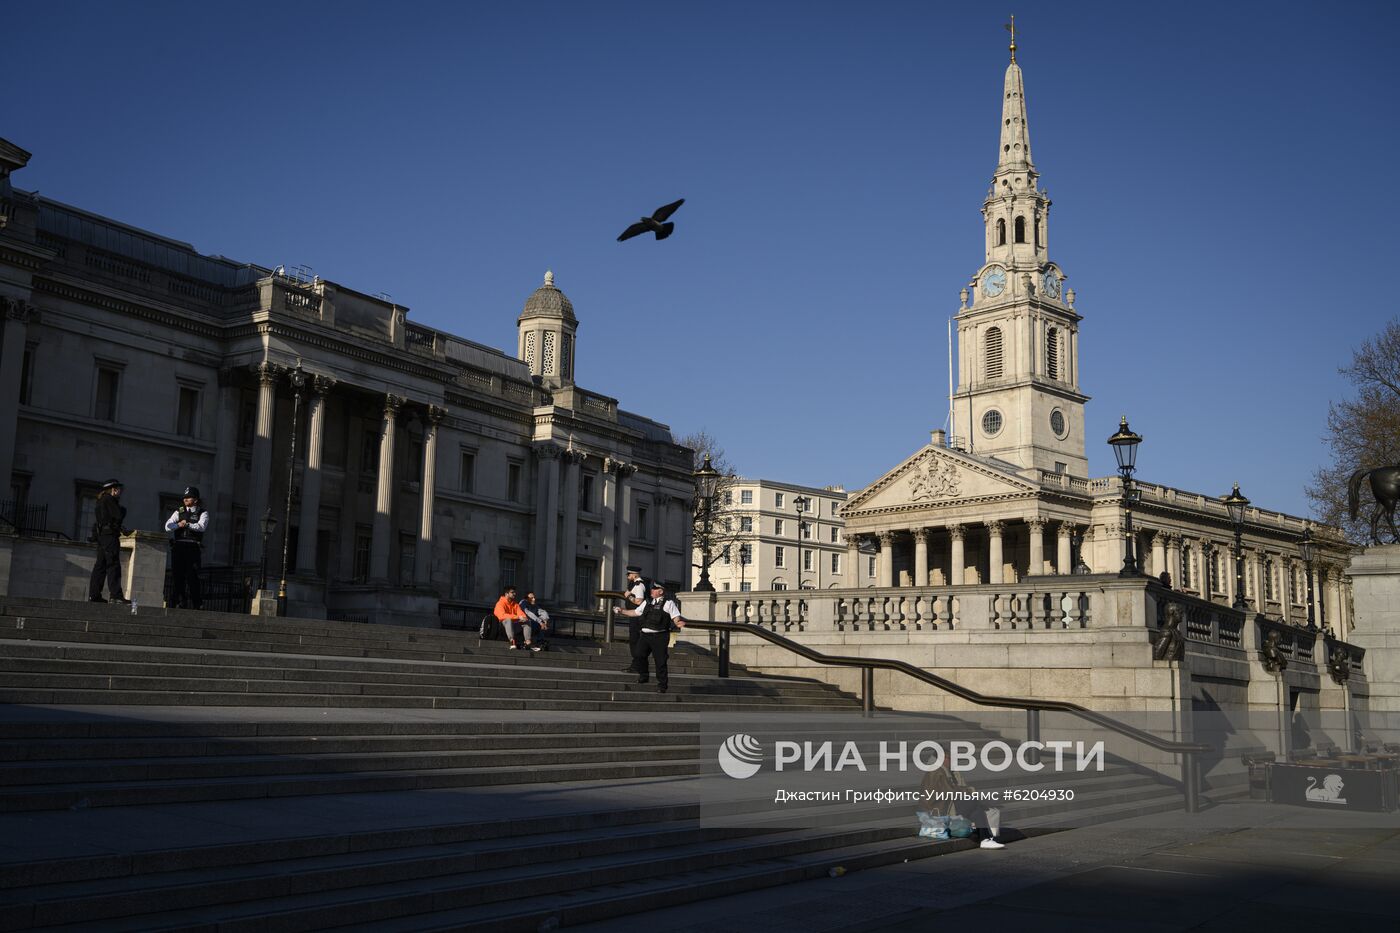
<point>1308,550</point>
<point>1125,444</point>
<point>706,482</point>
<point>800,503</point>
<point>1235,504</point>
<point>268,524</point>
<point>298,380</point>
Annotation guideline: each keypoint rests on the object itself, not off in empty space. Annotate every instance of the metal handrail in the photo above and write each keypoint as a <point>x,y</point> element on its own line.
<point>1187,750</point>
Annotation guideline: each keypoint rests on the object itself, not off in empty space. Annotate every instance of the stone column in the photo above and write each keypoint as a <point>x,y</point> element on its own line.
<point>261,476</point>
<point>1037,546</point>
<point>380,544</point>
<point>1159,553</point>
<point>423,560</point>
<point>1174,558</point>
<point>546,518</point>
<point>852,574</point>
<point>885,563</point>
<point>921,557</point>
<point>610,554</point>
<point>957,571</point>
<point>661,505</point>
<point>994,558</point>
<point>624,518</point>
<point>311,477</point>
<point>220,500</point>
<point>1064,550</point>
<point>17,317</point>
<point>568,553</point>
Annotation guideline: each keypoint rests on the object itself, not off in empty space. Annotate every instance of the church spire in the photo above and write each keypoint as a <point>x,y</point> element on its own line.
<point>1015,155</point>
<point>1016,209</point>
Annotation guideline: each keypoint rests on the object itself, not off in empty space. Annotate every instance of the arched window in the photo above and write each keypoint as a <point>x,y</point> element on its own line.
<point>1001,231</point>
<point>994,353</point>
<point>1020,229</point>
<point>1052,354</point>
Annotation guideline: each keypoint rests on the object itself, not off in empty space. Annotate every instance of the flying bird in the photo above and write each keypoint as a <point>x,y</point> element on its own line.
<point>656,223</point>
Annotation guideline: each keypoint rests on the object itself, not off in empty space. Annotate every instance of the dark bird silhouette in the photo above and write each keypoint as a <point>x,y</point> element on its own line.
<point>656,223</point>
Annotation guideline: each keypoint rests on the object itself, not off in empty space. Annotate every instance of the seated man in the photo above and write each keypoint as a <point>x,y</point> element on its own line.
<point>941,788</point>
<point>536,616</point>
<point>509,612</point>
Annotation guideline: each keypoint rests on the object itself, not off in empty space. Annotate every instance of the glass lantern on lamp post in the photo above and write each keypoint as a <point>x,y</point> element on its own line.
<point>1235,504</point>
<point>1125,444</point>
<point>706,484</point>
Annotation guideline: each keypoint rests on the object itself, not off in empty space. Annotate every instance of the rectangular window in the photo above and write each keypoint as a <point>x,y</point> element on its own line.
<point>369,449</point>
<point>745,555</point>
<point>585,582</point>
<point>463,571</point>
<point>725,586</point>
<point>408,551</point>
<point>777,500</point>
<point>466,471</point>
<point>724,555</point>
<point>511,562</point>
<point>1215,572</point>
<point>513,475</point>
<point>643,529</point>
<point>777,526</point>
<point>835,563</point>
<point>807,559</point>
<point>780,556</point>
<point>247,421</point>
<point>746,497</point>
<point>806,530</point>
<point>239,533</point>
<point>26,376</point>
<point>187,412</point>
<point>835,535</point>
<point>585,492</point>
<point>1295,592</point>
<point>1186,561</point>
<point>870,571</point>
<point>359,570</point>
<point>729,497</point>
<point>104,403</point>
<point>1269,594</point>
<point>780,585</point>
<point>745,523</point>
<point>85,508</point>
<point>745,587</point>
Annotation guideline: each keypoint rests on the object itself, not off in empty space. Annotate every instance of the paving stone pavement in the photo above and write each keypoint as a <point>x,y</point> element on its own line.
<point>1237,867</point>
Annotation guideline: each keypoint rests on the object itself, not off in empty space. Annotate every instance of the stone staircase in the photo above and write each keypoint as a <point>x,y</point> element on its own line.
<point>192,771</point>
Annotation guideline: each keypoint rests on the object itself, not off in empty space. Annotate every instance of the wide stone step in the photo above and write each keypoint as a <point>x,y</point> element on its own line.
<point>219,668</point>
<point>138,793</point>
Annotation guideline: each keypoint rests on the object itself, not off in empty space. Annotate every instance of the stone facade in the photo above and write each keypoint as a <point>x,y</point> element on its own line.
<point>770,545</point>
<point>1007,495</point>
<point>428,470</point>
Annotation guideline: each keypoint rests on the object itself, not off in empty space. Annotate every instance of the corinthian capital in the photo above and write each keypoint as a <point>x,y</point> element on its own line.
<point>321,385</point>
<point>393,404</point>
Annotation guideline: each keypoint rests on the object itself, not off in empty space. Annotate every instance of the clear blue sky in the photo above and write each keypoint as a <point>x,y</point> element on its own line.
<point>1219,171</point>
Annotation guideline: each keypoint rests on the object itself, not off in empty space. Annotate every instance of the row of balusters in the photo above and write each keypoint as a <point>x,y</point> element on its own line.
<point>1062,609</point>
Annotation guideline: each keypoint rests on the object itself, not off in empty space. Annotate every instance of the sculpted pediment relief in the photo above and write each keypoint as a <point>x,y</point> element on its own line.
<point>934,477</point>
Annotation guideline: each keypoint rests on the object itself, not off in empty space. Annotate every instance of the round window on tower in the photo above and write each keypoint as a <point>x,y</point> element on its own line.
<point>1057,423</point>
<point>991,423</point>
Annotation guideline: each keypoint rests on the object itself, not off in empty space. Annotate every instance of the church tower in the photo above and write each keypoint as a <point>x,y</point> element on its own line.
<point>546,331</point>
<point>1018,395</point>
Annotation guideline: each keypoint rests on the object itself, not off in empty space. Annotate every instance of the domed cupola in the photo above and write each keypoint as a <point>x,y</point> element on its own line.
<point>547,328</point>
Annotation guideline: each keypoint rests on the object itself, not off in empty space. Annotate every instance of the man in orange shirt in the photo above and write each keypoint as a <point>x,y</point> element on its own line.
<point>509,611</point>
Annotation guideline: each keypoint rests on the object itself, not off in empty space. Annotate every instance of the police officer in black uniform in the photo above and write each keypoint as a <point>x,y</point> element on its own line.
<point>187,527</point>
<point>107,529</point>
<point>655,618</point>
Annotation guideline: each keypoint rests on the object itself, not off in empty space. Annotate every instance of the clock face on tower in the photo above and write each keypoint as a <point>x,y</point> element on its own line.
<point>993,282</point>
<point>1050,283</point>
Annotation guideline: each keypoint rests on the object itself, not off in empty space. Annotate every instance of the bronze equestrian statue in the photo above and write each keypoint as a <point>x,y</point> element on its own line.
<point>1385,488</point>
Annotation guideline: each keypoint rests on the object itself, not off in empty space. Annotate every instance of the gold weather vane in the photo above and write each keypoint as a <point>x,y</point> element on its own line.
<point>1011,28</point>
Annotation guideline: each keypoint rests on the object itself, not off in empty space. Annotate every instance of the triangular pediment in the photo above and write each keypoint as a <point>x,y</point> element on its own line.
<point>936,476</point>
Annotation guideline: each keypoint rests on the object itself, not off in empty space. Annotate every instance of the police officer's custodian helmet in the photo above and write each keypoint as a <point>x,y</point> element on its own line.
<point>191,492</point>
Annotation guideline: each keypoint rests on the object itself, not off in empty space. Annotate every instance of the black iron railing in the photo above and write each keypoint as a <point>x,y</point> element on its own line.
<point>30,521</point>
<point>1188,751</point>
<point>222,589</point>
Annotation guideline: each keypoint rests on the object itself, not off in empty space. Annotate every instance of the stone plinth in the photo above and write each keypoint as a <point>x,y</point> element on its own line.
<point>1375,578</point>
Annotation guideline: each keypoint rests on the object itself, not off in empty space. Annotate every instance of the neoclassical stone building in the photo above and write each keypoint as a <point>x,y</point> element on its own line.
<point>1006,493</point>
<point>428,470</point>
